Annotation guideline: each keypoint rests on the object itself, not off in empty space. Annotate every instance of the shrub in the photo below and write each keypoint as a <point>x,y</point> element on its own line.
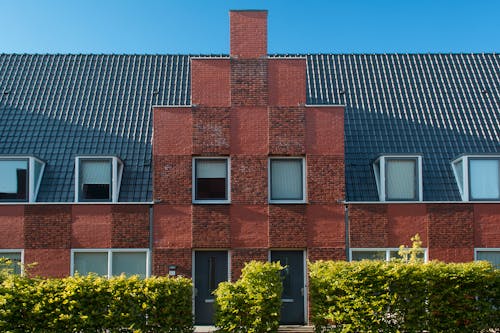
<point>375,296</point>
<point>251,304</point>
<point>95,304</point>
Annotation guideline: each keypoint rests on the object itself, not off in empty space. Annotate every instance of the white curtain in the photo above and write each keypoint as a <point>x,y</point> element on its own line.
<point>400,179</point>
<point>286,179</point>
<point>95,172</point>
<point>211,168</point>
<point>484,178</point>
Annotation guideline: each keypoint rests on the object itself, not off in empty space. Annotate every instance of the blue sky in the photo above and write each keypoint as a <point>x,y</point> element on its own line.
<point>295,26</point>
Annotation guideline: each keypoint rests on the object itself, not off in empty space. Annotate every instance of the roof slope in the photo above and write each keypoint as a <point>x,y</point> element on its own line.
<point>439,105</point>
<point>59,106</point>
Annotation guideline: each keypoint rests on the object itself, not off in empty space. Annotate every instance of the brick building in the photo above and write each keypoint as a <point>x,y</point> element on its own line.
<point>150,164</point>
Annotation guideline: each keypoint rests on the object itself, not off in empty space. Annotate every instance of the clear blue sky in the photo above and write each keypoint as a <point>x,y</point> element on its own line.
<point>295,26</point>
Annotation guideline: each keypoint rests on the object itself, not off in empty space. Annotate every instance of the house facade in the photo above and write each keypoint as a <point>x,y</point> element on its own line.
<point>194,165</point>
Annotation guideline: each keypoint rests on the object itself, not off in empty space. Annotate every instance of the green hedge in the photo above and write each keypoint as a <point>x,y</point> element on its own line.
<point>375,296</point>
<point>95,304</point>
<point>251,304</point>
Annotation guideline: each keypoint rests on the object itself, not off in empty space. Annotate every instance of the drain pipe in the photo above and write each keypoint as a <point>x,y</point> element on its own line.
<point>150,239</point>
<point>347,233</point>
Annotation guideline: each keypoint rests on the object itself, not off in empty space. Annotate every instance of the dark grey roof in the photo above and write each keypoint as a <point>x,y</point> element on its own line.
<point>439,105</point>
<point>61,106</point>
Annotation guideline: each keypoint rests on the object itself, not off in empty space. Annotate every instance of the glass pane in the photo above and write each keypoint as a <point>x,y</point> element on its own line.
<point>484,178</point>
<point>286,180</point>
<point>491,256</point>
<point>369,255</point>
<point>15,258</point>
<point>129,263</point>
<point>91,262</point>
<point>14,179</point>
<point>400,179</point>
<point>211,180</point>
<point>95,179</point>
<point>395,255</point>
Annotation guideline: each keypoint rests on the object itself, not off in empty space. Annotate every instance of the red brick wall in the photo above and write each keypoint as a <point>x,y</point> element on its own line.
<point>47,227</point>
<point>11,227</point>
<point>287,82</point>
<point>249,226</point>
<point>249,82</point>
<point>211,131</point>
<point>210,82</point>
<point>182,258</point>
<point>172,178</point>
<point>487,225</point>
<point>241,256</point>
<point>405,221</point>
<point>91,226</point>
<point>287,130</point>
<point>249,179</point>
<point>48,262</point>
<point>130,226</point>
<point>248,33</point>
<point>368,225</point>
<point>325,130</point>
<point>287,226</point>
<point>211,226</point>
<point>249,131</point>
<point>172,226</point>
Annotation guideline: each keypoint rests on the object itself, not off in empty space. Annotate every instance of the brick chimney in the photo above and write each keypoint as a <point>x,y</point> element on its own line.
<point>248,33</point>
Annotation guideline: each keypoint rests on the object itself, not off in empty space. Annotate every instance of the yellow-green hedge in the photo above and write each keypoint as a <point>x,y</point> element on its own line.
<point>376,296</point>
<point>252,304</point>
<point>95,304</point>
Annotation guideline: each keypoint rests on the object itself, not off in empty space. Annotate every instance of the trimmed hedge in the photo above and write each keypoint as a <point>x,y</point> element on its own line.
<point>376,296</point>
<point>251,304</point>
<point>95,304</point>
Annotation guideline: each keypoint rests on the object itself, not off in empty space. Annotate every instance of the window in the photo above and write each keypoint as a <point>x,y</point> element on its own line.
<point>15,257</point>
<point>491,255</point>
<point>20,178</point>
<point>380,254</point>
<point>399,178</point>
<point>287,180</point>
<point>211,180</point>
<point>111,262</point>
<point>478,177</point>
<point>98,178</point>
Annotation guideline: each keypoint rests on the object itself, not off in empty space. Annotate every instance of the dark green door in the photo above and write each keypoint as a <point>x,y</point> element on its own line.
<point>210,268</point>
<point>292,309</point>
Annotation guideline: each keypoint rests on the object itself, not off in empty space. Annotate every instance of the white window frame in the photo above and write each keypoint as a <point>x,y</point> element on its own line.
<point>465,187</point>
<point>116,176</point>
<point>32,186</point>
<point>110,252</point>
<point>304,180</point>
<point>387,250</point>
<point>485,249</point>
<point>21,251</point>
<point>379,167</point>
<point>228,175</point>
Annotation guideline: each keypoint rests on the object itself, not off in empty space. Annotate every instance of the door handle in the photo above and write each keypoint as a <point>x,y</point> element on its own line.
<point>302,291</point>
<point>195,292</point>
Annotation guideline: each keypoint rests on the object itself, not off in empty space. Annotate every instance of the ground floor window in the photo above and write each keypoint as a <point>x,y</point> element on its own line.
<point>14,258</point>
<point>492,255</point>
<point>110,262</point>
<point>387,254</point>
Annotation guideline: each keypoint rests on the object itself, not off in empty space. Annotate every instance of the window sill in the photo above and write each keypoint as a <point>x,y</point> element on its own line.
<point>289,202</point>
<point>211,202</point>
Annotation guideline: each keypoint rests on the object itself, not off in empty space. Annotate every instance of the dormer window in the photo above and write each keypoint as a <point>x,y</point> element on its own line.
<point>20,178</point>
<point>98,178</point>
<point>399,177</point>
<point>478,177</point>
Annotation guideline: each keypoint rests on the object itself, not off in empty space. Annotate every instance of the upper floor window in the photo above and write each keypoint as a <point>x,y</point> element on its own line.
<point>478,177</point>
<point>211,180</point>
<point>98,178</point>
<point>399,178</point>
<point>20,178</point>
<point>287,179</point>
